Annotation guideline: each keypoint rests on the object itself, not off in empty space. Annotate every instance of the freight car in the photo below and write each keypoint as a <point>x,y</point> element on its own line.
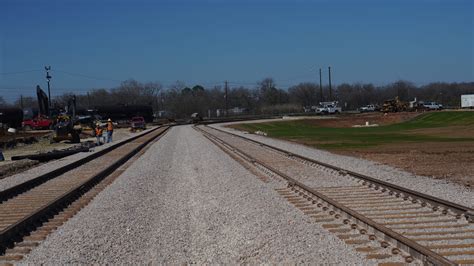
<point>125,112</point>
<point>11,117</point>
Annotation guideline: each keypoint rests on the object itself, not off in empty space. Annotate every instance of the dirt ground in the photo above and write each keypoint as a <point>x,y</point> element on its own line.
<point>453,161</point>
<point>43,142</point>
<point>42,145</point>
<point>27,136</point>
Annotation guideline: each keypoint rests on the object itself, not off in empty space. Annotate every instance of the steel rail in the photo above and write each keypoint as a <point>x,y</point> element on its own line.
<point>412,247</point>
<point>467,212</point>
<point>10,234</point>
<point>34,182</point>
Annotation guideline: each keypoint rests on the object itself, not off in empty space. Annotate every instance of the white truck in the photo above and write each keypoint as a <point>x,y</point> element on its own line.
<point>467,101</point>
<point>328,108</point>
<point>367,108</point>
<point>432,106</point>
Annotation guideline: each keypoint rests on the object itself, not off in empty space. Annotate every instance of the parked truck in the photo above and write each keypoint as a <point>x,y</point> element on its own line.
<point>38,122</point>
<point>328,108</point>
<point>432,106</point>
<point>467,101</point>
<point>38,119</point>
<point>137,123</point>
<point>368,108</point>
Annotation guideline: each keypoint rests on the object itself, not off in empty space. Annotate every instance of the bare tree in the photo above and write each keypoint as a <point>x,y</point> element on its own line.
<point>3,103</point>
<point>265,97</point>
<point>152,90</point>
<point>304,94</point>
<point>28,102</point>
<point>99,97</point>
<point>268,91</point>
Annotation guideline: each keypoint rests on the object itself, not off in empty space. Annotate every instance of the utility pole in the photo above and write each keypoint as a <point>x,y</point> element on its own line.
<point>330,87</point>
<point>48,78</point>
<point>88,101</point>
<point>21,101</point>
<point>225,96</point>
<point>320,86</point>
<point>162,102</point>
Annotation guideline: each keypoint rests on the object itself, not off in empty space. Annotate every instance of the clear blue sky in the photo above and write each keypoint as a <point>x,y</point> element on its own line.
<point>242,41</point>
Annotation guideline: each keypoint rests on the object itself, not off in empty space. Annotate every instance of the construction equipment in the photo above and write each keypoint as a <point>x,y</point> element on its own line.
<point>42,119</point>
<point>394,105</point>
<point>67,127</point>
<point>195,118</point>
<point>415,106</point>
<point>328,108</point>
<point>43,104</point>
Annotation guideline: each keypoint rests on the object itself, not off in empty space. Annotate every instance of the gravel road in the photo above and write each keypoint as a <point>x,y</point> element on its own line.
<point>436,187</point>
<point>186,201</point>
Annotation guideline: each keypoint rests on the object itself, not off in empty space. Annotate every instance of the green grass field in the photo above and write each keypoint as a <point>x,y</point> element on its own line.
<point>420,129</point>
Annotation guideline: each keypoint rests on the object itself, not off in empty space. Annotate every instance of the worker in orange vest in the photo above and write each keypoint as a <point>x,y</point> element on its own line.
<point>98,134</point>
<point>110,130</point>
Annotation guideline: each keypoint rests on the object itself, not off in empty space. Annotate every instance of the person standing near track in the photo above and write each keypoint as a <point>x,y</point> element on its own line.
<point>98,134</point>
<point>110,130</point>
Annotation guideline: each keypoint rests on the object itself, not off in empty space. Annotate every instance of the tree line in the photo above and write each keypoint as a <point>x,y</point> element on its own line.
<point>265,97</point>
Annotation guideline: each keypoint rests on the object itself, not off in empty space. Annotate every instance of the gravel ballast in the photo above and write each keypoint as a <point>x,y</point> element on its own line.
<point>41,169</point>
<point>436,187</point>
<point>186,201</point>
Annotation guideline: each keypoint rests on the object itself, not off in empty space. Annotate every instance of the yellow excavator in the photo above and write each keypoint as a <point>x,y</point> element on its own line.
<point>66,126</point>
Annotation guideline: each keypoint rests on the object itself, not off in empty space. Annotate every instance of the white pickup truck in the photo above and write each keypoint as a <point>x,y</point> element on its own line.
<point>367,108</point>
<point>432,106</point>
<point>328,108</point>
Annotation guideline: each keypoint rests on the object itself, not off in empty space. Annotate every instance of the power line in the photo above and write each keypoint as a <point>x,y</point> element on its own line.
<point>19,72</point>
<point>243,83</point>
<point>86,76</point>
<point>27,88</point>
<point>60,71</point>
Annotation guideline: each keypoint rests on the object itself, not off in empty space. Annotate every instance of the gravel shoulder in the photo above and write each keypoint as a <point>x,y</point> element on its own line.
<point>436,187</point>
<point>186,201</point>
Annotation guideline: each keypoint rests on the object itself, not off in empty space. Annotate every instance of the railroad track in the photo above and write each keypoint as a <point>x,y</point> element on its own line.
<point>31,210</point>
<point>392,224</point>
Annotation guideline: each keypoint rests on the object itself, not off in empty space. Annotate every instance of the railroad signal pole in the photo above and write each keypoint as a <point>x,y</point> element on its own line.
<point>48,78</point>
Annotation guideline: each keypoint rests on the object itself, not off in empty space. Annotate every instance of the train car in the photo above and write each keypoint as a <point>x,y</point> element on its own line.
<point>125,112</point>
<point>11,117</point>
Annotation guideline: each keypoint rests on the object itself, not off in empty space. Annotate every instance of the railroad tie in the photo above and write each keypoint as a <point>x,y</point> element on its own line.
<point>393,214</point>
<point>465,262</point>
<point>86,186</point>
